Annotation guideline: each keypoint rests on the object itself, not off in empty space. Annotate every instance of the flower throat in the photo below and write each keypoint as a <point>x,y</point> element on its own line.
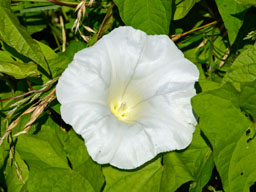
<point>120,110</point>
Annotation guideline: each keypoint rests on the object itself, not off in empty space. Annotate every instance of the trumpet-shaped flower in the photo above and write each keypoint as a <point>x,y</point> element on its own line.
<point>129,97</point>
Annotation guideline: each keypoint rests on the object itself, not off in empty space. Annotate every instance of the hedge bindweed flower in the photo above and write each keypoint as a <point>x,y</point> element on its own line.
<point>129,97</point>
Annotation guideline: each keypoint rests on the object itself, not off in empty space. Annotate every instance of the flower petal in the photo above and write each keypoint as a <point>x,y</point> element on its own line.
<point>131,67</point>
<point>122,145</point>
<point>167,124</point>
<point>163,67</point>
<point>82,114</point>
<point>124,47</point>
<point>169,120</point>
<point>85,79</point>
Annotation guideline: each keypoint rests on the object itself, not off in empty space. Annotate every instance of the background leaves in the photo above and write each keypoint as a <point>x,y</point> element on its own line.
<point>232,17</point>
<point>13,34</point>
<point>19,70</point>
<point>153,17</point>
<point>182,7</point>
<point>36,45</point>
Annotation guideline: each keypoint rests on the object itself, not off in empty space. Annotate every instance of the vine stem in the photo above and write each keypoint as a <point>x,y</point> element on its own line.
<point>63,3</point>
<point>178,36</point>
<point>104,20</point>
<point>25,94</point>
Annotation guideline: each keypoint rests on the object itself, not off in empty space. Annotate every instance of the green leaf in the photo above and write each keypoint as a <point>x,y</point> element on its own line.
<point>57,180</point>
<point>19,70</point>
<point>43,150</point>
<point>208,84</point>
<point>81,161</point>
<point>4,148</point>
<point>242,166</point>
<point>52,59</point>
<point>243,69</point>
<point>58,160</point>
<point>32,14</point>
<point>13,34</point>
<point>232,15</point>
<point>60,63</point>
<point>192,164</point>
<point>5,3</point>
<point>226,127</point>
<point>145,179</point>
<point>47,51</point>
<point>5,56</point>
<point>40,8</point>
<point>182,7</point>
<point>151,16</point>
<point>14,182</point>
<point>248,98</point>
<point>34,22</point>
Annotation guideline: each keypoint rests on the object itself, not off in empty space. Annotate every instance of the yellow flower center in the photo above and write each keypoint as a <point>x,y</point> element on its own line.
<point>125,105</point>
<point>125,109</point>
<point>120,110</point>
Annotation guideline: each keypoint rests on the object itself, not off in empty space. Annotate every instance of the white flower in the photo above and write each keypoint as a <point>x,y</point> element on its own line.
<point>129,97</point>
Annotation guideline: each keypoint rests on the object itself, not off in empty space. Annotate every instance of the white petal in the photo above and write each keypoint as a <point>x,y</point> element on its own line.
<point>124,46</point>
<point>169,120</point>
<point>161,128</point>
<point>134,150</point>
<point>167,124</point>
<point>87,78</point>
<point>147,71</point>
<point>122,145</point>
<point>82,114</point>
<point>102,138</point>
<point>163,67</point>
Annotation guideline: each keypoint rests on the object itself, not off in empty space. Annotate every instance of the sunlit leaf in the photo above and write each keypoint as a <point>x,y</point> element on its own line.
<point>19,70</point>
<point>13,34</point>
<point>58,180</point>
<point>153,17</point>
<point>147,178</point>
<point>193,164</point>
<point>59,64</point>
<point>16,173</point>
<point>53,162</point>
<point>182,7</point>
<point>226,127</point>
<point>232,16</point>
<point>243,69</point>
<point>82,162</point>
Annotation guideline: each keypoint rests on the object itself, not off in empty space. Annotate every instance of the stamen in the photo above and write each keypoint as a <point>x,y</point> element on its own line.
<point>123,107</point>
<point>120,110</point>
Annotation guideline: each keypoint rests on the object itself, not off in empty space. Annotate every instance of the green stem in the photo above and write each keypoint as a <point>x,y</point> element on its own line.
<point>46,1</point>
